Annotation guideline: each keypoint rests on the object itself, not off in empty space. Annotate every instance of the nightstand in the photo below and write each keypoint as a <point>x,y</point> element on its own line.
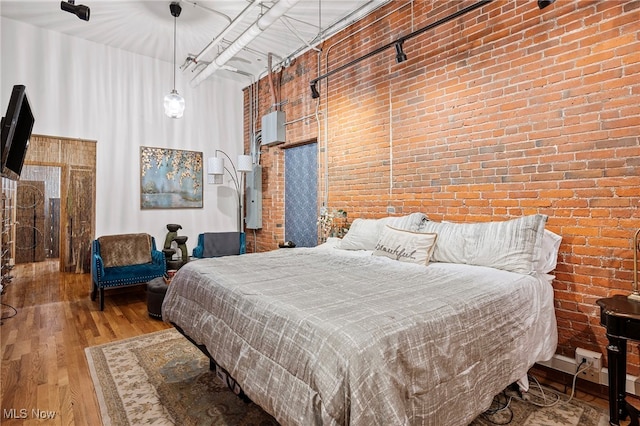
<point>621,317</point>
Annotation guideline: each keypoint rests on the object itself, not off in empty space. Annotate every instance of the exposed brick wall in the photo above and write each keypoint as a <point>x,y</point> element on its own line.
<point>507,111</point>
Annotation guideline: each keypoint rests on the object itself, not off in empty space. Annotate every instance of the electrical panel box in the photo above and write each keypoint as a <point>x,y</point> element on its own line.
<point>273,128</point>
<point>254,198</point>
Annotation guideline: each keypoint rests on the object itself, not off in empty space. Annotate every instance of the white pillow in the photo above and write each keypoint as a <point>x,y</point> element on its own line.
<point>411,222</point>
<point>549,252</point>
<point>405,246</point>
<point>363,234</point>
<point>513,245</point>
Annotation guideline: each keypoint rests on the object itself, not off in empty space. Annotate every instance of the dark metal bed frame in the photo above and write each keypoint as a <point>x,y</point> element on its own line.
<point>231,383</point>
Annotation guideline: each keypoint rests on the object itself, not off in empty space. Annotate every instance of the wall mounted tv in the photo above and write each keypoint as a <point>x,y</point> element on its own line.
<point>15,131</point>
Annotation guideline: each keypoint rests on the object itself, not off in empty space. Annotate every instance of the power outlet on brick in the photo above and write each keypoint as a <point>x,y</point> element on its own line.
<point>594,362</point>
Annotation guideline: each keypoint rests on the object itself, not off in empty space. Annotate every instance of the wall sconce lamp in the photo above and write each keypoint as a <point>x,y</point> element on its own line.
<point>314,90</point>
<point>544,3</point>
<point>636,248</point>
<point>81,11</point>
<point>216,169</point>
<point>400,55</point>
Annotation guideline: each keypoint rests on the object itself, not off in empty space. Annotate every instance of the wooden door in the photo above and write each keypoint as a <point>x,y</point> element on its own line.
<point>79,214</point>
<point>76,219</point>
<point>30,223</point>
<point>54,227</point>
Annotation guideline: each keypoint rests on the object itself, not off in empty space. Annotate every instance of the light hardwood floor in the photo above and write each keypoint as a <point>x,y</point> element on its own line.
<point>43,363</point>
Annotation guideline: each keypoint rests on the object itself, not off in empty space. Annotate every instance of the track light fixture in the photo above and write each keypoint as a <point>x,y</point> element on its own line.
<point>400,55</point>
<point>314,90</point>
<point>544,3</point>
<point>81,11</point>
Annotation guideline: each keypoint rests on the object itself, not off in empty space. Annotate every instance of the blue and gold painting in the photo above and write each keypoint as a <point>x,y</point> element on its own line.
<point>170,178</point>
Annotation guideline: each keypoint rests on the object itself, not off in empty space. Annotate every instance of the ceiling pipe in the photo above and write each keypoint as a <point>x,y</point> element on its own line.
<point>323,35</point>
<point>217,40</point>
<point>247,37</point>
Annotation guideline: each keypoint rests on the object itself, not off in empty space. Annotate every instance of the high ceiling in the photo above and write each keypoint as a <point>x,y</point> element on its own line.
<point>146,28</point>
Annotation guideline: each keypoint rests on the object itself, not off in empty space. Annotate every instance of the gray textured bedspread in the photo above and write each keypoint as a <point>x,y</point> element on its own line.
<point>327,336</point>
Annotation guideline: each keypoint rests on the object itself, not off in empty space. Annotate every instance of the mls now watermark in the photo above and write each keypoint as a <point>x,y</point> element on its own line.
<point>23,413</point>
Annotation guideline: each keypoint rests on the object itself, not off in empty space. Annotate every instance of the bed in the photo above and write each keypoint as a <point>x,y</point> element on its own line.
<point>352,334</point>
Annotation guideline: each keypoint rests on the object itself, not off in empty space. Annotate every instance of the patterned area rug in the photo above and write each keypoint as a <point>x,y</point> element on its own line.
<point>162,379</point>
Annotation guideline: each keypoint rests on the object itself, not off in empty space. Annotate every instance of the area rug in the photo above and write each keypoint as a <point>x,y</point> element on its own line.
<point>163,379</point>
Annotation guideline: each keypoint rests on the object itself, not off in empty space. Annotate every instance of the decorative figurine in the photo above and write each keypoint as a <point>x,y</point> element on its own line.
<point>169,251</point>
<point>171,235</point>
<point>181,240</point>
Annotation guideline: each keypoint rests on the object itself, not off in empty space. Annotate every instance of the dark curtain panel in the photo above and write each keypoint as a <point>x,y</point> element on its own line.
<point>301,195</point>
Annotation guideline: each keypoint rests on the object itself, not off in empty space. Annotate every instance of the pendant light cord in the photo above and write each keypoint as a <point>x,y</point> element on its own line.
<point>174,52</point>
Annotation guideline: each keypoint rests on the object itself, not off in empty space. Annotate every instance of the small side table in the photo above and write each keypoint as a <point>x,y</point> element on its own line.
<point>156,290</point>
<point>621,317</point>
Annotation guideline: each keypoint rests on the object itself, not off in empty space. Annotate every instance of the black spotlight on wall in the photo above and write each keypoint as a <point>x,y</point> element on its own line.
<point>81,11</point>
<point>544,3</point>
<point>400,55</point>
<point>314,90</point>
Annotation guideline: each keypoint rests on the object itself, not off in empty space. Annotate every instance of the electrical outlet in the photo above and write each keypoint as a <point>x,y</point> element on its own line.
<point>594,362</point>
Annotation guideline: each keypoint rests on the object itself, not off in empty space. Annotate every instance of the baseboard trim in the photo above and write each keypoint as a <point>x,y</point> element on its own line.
<point>567,365</point>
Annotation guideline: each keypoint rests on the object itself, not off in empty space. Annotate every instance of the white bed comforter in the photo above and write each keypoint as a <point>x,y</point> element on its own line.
<point>333,337</point>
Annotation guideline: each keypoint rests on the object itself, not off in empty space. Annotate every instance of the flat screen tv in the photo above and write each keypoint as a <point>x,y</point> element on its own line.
<point>15,132</point>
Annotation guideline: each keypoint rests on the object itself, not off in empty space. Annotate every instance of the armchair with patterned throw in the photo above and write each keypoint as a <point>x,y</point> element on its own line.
<point>216,244</point>
<point>123,260</point>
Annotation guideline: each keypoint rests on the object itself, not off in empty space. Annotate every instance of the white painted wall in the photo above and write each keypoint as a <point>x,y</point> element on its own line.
<point>80,89</point>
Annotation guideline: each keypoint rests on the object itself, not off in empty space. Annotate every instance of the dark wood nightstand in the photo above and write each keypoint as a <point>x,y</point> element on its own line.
<point>621,317</point>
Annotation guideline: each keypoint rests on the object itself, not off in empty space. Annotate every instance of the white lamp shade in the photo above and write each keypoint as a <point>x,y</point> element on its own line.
<point>215,165</point>
<point>174,104</point>
<point>215,179</point>
<point>244,163</point>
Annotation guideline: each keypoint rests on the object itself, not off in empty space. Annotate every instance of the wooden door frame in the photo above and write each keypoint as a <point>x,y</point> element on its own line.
<point>64,153</point>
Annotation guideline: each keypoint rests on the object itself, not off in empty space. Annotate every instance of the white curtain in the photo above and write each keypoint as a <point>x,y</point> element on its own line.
<point>81,89</point>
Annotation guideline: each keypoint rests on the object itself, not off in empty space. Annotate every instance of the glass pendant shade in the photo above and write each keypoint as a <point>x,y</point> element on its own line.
<point>173,104</point>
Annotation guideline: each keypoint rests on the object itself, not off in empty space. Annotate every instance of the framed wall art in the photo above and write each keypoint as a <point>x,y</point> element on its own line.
<point>170,178</point>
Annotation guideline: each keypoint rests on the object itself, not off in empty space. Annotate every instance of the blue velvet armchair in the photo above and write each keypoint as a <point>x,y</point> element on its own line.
<point>123,260</point>
<point>216,244</point>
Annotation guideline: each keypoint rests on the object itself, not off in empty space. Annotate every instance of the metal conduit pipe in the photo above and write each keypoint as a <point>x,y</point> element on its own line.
<point>315,93</point>
<point>247,37</point>
<point>326,110</point>
<point>217,40</point>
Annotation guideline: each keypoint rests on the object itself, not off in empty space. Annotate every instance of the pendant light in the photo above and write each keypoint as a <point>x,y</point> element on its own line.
<point>173,102</point>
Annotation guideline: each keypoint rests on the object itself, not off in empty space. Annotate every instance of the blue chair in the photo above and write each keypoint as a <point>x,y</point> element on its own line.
<point>216,244</point>
<point>124,260</point>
